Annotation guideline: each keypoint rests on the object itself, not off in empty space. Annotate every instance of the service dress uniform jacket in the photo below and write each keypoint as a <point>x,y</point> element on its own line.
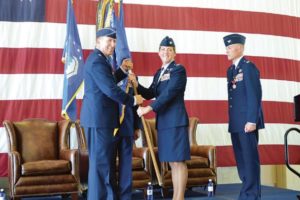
<point>99,117</point>
<point>244,99</point>
<point>245,94</point>
<point>171,115</point>
<point>101,93</point>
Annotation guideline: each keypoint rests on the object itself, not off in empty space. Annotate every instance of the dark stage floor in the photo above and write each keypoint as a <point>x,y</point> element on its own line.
<point>223,192</point>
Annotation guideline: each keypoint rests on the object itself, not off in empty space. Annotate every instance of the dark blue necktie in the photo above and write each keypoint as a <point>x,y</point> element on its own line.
<point>234,70</point>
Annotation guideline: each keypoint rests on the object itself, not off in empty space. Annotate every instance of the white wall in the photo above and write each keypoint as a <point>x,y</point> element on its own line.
<point>271,175</point>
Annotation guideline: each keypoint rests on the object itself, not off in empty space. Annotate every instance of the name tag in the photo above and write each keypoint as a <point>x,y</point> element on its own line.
<point>121,83</point>
<point>165,77</point>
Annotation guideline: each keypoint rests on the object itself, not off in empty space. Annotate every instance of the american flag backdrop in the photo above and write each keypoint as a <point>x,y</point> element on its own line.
<point>32,36</point>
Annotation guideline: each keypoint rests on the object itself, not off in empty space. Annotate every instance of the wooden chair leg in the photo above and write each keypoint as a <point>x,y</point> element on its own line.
<point>215,188</point>
<point>164,192</point>
<point>84,194</point>
<point>145,193</point>
<point>65,196</point>
<point>74,196</point>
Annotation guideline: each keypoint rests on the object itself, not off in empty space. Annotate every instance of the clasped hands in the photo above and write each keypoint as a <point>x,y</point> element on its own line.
<point>138,99</point>
<point>141,110</point>
<point>127,64</point>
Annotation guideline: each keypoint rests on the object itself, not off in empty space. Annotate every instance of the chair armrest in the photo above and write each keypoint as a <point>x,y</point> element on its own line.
<point>84,153</point>
<point>14,168</point>
<point>193,124</point>
<point>143,153</point>
<point>164,168</point>
<point>71,155</point>
<point>206,151</point>
<point>80,136</point>
<point>11,135</point>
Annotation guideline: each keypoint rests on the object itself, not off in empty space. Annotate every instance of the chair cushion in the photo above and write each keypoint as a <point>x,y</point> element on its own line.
<point>46,167</point>
<point>137,163</point>
<point>46,185</point>
<point>197,162</point>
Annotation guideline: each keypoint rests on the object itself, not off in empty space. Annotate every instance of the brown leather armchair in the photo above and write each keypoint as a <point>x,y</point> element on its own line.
<point>202,165</point>
<point>141,174</point>
<point>40,160</point>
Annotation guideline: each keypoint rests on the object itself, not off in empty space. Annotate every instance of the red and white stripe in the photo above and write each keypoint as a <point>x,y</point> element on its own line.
<point>31,72</point>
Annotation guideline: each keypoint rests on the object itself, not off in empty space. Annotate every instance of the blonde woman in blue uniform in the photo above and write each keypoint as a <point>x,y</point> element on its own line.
<point>172,121</point>
<point>245,115</point>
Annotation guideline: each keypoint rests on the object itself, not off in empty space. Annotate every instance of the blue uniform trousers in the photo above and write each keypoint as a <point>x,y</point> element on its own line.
<point>122,185</point>
<point>245,146</point>
<point>100,146</point>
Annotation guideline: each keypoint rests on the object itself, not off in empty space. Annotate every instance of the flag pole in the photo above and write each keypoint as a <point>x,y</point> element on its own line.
<point>150,145</point>
<point>123,38</point>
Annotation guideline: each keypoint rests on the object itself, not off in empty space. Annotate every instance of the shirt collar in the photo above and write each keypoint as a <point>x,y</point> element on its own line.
<point>237,61</point>
<point>163,67</point>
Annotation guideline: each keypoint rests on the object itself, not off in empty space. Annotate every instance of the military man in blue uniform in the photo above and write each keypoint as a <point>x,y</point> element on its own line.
<point>123,144</point>
<point>100,112</point>
<point>168,87</point>
<point>245,115</point>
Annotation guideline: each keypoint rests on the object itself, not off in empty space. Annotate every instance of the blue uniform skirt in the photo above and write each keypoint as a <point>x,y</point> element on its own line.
<point>173,144</point>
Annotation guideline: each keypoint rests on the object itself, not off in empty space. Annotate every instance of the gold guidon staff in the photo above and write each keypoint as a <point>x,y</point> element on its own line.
<point>158,176</point>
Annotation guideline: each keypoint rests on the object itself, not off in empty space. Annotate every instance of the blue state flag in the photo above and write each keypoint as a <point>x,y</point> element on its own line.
<point>121,52</point>
<point>122,48</point>
<point>73,69</point>
<point>22,10</point>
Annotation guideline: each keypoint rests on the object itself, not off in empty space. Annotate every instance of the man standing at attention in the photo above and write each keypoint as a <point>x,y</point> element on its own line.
<point>100,111</point>
<point>245,115</point>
